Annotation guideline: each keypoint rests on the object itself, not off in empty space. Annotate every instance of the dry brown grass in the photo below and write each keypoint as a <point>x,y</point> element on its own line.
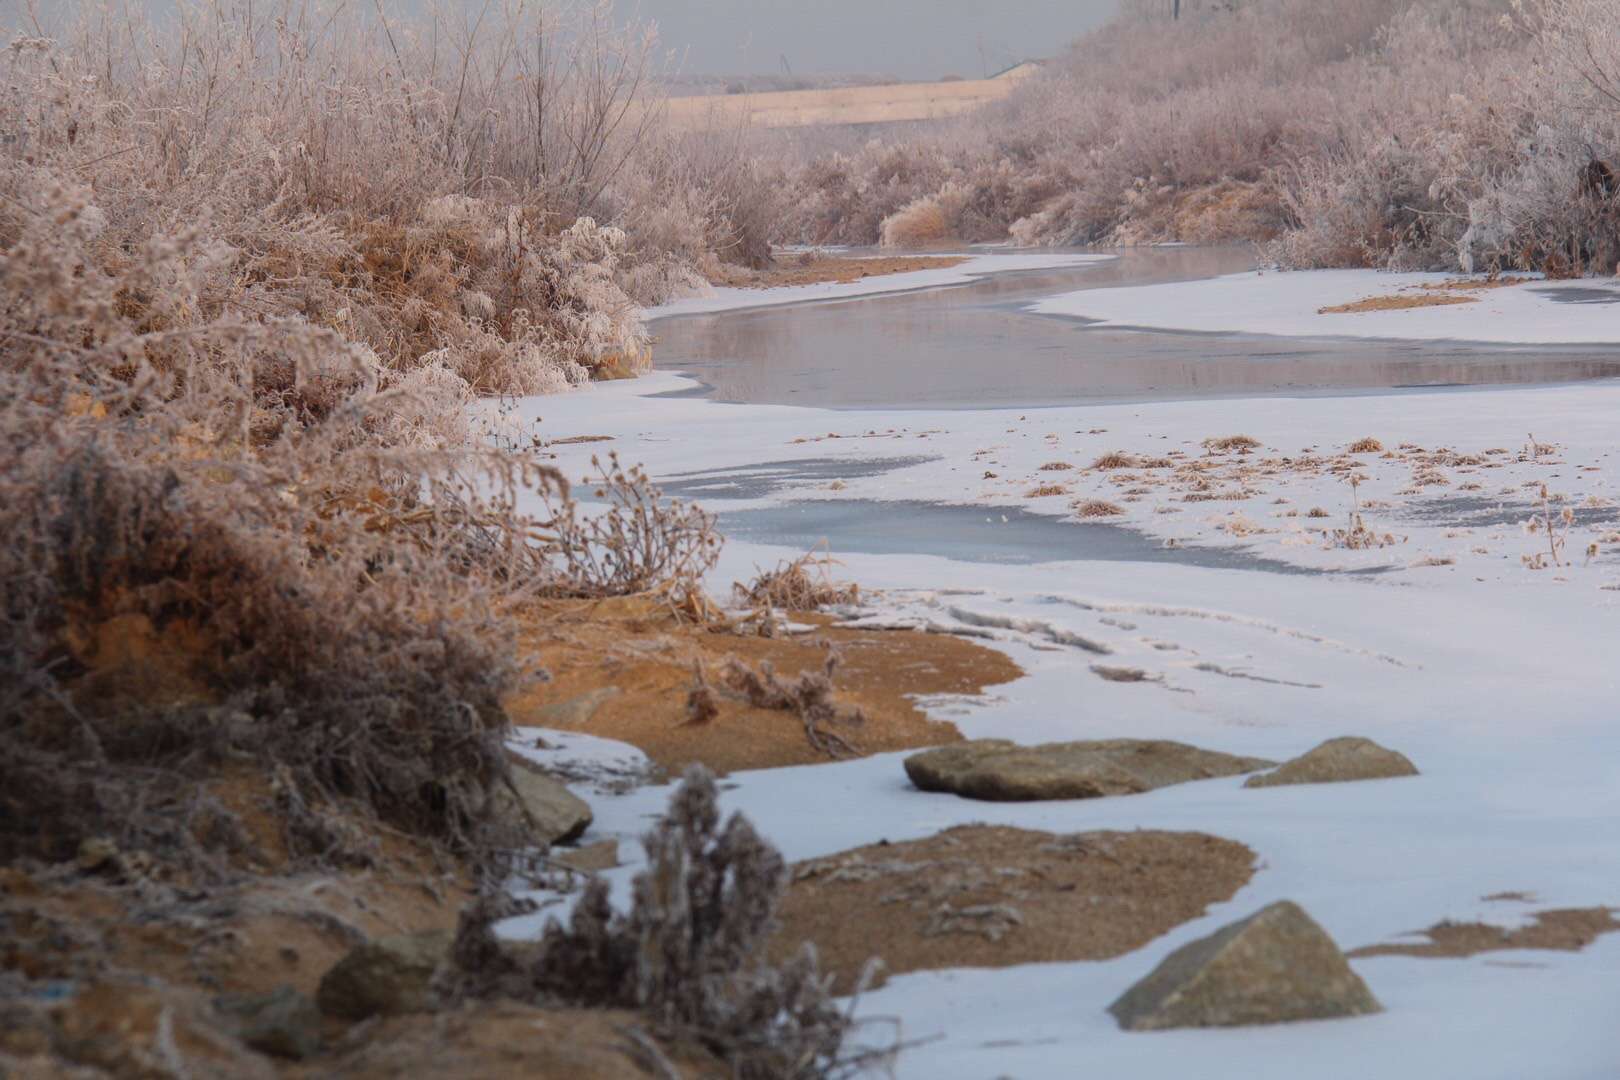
<point>930,221</point>
<point>1397,303</point>
<point>1243,444</point>
<point>804,584</point>
<point>1097,508</point>
<point>1368,445</point>
<point>810,697</point>
<point>1044,491</point>
<point>1114,459</point>
<point>1478,284</point>
<point>815,270</point>
<point>1057,466</point>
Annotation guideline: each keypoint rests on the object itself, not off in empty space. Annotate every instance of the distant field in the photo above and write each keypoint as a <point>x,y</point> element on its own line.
<point>848,105</point>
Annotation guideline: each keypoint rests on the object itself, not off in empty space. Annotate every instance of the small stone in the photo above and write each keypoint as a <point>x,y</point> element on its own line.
<point>96,852</point>
<point>283,1022</point>
<point>1275,966</point>
<point>559,816</point>
<point>602,855</point>
<point>1338,760</point>
<point>386,977</point>
<point>1001,771</point>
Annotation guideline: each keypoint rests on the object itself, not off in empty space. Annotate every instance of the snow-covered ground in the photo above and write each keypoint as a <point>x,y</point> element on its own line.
<point>976,266</point>
<point>1536,312</point>
<point>1496,678</point>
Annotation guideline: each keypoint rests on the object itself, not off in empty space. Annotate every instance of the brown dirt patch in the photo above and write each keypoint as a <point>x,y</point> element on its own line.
<point>638,648</point>
<point>249,935</point>
<point>823,269</point>
<point>1563,930</point>
<point>989,896</point>
<point>511,1040</point>
<point>1466,285</point>
<point>1398,303</point>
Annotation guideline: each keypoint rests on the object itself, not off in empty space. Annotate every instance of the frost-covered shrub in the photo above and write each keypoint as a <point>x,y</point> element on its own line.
<point>930,221</point>
<point>227,540</point>
<point>689,954</point>
<point>249,516</point>
<point>1401,133</point>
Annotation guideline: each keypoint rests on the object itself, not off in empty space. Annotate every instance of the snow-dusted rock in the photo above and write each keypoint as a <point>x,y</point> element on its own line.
<point>1275,966</point>
<point>1000,771</point>
<point>1337,760</point>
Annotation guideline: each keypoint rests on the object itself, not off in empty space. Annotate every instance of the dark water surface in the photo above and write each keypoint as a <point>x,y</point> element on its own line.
<point>973,346</point>
<point>973,534</point>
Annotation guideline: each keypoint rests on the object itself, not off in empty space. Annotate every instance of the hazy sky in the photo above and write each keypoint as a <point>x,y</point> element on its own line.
<point>906,38</point>
<point>912,39</point>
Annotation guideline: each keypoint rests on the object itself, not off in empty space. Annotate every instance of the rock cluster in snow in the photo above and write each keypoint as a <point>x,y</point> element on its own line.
<point>1001,771</point>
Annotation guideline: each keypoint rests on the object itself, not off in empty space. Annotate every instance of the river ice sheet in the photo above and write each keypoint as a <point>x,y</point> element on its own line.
<point>1499,681</point>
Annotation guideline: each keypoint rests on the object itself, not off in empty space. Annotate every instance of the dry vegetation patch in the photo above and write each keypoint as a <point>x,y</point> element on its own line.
<point>1564,930</point>
<point>810,269</point>
<point>1397,303</point>
<point>648,652</point>
<point>1091,509</point>
<point>990,896</point>
<point>265,925</point>
<point>803,584</point>
<point>509,1040</point>
<point>1114,459</point>
<point>1222,444</point>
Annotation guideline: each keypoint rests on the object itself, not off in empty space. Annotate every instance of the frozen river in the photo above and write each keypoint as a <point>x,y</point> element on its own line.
<point>903,432</point>
<point>980,345</point>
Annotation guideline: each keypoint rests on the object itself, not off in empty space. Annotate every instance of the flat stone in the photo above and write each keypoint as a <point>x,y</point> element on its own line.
<point>1336,761</point>
<point>576,711</point>
<point>1001,771</point>
<point>385,977</point>
<point>283,1022</point>
<point>559,816</point>
<point>1273,967</point>
<point>602,855</point>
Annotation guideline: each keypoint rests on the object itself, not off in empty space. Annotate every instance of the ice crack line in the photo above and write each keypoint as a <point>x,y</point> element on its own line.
<point>1058,635</point>
<point>1230,618</point>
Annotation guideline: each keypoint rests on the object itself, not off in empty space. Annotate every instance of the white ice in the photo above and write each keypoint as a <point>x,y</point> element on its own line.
<point>976,266</point>
<point>1499,681</point>
<point>1288,304</point>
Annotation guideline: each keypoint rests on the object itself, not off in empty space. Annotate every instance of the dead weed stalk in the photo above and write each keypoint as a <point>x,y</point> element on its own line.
<point>804,584</point>
<point>810,696</point>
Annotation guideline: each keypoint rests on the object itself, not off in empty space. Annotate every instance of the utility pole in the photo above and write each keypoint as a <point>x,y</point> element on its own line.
<point>1175,10</point>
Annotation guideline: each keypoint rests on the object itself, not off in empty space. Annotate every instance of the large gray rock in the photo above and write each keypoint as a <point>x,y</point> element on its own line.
<point>1338,760</point>
<point>1000,771</point>
<point>559,816</point>
<point>386,977</point>
<point>1275,966</point>
<point>283,1022</point>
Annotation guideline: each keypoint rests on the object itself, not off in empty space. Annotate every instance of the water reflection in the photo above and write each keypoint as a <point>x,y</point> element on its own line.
<point>975,346</point>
